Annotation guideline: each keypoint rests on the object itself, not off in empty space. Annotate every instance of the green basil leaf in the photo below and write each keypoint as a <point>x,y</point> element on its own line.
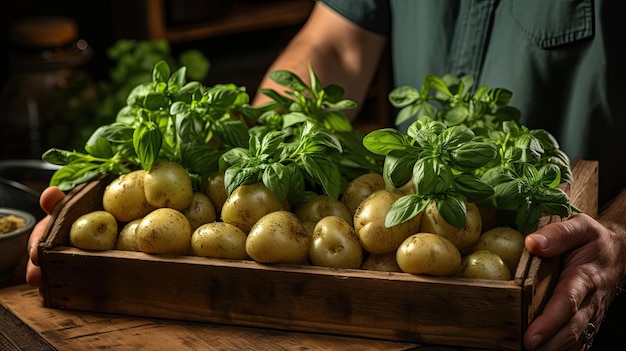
<point>509,195</point>
<point>100,148</point>
<point>473,155</point>
<point>334,95</point>
<point>147,141</point>
<point>527,218</point>
<point>199,158</point>
<point>231,132</point>
<point>234,156</point>
<point>295,180</point>
<point>156,102</point>
<point>455,135</point>
<point>323,172</point>
<point>385,140</point>
<point>398,168</point>
<point>276,178</point>
<point>438,84</point>
<point>403,96</point>
<point>68,177</point>
<point>471,187</point>
<point>431,176</point>
<point>294,118</point>
<point>457,115</point>
<point>497,175</point>
<point>177,80</point>
<point>235,176</point>
<point>289,80</point>
<point>59,157</point>
<point>453,211</point>
<point>405,208</point>
<point>161,72</point>
<point>337,122</point>
<point>549,175</point>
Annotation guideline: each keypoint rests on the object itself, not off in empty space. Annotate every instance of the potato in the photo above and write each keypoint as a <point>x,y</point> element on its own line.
<point>167,184</point>
<point>369,223</point>
<point>335,244</point>
<point>483,264</point>
<point>360,188</point>
<point>248,203</point>
<point>219,240</point>
<point>463,238</point>
<point>428,253</point>
<point>382,263</point>
<point>127,238</point>
<point>164,231</point>
<point>310,227</point>
<point>505,242</point>
<point>216,191</point>
<point>125,198</point>
<point>278,237</point>
<point>321,206</point>
<point>200,210</point>
<point>95,230</point>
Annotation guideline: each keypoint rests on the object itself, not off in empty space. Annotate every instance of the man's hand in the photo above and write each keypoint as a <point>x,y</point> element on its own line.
<point>48,199</point>
<point>589,281</point>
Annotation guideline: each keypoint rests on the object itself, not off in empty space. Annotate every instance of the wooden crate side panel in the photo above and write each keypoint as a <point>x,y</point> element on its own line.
<point>390,306</point>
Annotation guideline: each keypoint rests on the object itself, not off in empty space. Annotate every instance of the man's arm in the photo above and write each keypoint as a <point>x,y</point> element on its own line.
<point>338,50</point>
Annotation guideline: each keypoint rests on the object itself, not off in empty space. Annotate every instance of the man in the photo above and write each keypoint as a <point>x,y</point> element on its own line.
<point>563,62</point>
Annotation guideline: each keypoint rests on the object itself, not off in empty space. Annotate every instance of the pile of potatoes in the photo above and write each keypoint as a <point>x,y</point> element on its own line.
<point>158,212</point>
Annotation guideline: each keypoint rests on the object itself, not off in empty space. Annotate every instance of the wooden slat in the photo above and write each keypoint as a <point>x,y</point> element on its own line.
<point>47,329</point>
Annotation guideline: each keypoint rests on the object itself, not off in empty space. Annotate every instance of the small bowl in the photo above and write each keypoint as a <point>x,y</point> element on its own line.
<point>13,244</point>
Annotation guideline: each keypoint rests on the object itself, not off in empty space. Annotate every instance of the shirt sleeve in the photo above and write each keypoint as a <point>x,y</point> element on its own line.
<point>373,15</point>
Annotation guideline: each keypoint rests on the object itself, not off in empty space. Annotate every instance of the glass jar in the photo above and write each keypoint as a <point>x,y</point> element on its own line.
<point>47,91</point>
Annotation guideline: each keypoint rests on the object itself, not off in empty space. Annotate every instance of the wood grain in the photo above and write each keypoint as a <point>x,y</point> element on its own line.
<point>68,330</point>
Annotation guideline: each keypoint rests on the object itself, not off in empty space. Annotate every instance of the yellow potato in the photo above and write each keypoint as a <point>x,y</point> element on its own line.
<point>216,191</point>
<point>360,188</point>
<point>167,184</point>
<point>127,239</point>
<point>125,198</point>
<point>219,240</point>
<point>369,223</point>
<point>278,237</point>
<point>428,253</point>
<point>164,231</point>
<point>463,238</point>
<point>335,244</point>
<point>505,242</point>
<point>248,203</point>
<point>321,206</point>
<point>382,263</point>
<point>483,264</point>
<point>200,210</point>
<point>95,230</point>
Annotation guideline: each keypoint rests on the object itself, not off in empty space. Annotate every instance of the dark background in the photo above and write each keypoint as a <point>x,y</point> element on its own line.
<point>240,56</point>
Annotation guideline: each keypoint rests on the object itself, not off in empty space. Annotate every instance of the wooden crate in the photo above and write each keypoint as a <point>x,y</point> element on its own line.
<point>391,306</point>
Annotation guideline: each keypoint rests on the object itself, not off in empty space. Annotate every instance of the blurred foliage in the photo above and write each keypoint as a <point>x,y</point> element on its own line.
<point>134,61</point>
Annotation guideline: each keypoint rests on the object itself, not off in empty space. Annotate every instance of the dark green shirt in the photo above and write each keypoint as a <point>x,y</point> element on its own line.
<point>562,59</point>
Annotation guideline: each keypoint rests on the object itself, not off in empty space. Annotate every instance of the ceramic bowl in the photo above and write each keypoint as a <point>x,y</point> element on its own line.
<point>13,244</point>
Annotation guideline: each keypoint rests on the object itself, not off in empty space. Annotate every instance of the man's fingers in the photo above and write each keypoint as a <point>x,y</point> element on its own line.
<point>557,238</point>
<point>564,315</point>
<point>50,197</point>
